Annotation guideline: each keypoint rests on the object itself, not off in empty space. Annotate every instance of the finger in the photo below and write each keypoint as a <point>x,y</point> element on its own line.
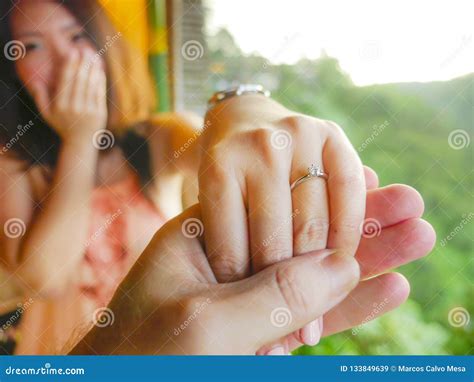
<point>96,85</point>
<point>396,245</point>
<point>389,291</point>
<point>225,221</point>
<point>40,95</point>
<point>392,204</point>
<point>369,300</point>
<point>66,79</point>
<point>311,215</point>
<point>81,83</point>
<point>101,93</point>
<point>309,199</point>
<point>292,341</point>
<point>175,253</point>
<point>347,192</point>
<point>270,218</point>
<point>371,178</point>
<point>286,296</point>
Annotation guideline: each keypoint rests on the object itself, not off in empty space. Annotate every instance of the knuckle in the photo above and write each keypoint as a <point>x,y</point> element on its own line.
<point>272,251</point>
<point>296,124</point>
<point>229,268</point>
<point>303,128</point>
<point>292,290</point>
<point>217,167</point>
<point>261,141</point>
<point>333,126</point>
<point>311,235</point>
<point>270,146</point>
<point>349,228</point>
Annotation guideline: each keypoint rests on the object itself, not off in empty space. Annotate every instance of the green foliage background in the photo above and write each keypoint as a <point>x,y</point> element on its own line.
<point>414,149</point>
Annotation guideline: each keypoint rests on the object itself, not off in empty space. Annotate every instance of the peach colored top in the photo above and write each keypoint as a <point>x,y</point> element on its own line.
<point>123,222</point>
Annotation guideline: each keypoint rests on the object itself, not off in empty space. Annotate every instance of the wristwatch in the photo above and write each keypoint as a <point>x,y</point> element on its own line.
<point>236,91</point>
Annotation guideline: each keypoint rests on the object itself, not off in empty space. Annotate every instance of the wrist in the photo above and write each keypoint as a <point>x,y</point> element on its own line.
<point>80,139</point>
<point>240,114</point>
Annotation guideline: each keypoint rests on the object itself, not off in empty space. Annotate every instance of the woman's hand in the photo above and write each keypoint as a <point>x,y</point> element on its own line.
<point>77,106</point>
<point>254,150</point>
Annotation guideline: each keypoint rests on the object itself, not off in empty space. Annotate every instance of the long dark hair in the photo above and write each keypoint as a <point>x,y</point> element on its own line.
<point>130,95</point>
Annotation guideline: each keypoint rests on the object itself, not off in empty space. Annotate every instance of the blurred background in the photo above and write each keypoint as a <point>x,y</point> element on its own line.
<point>396,75</point>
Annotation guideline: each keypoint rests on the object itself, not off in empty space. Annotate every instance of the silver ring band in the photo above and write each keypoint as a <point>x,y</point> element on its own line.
<point>313,172</point>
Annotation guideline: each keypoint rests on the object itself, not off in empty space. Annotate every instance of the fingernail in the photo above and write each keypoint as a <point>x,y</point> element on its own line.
<point>310,334</point>
<point>321,326</point>
<point>279,350</point>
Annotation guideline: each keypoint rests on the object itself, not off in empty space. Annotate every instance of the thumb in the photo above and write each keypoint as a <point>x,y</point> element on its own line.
<point>286,296</point>
<point>39,93</point>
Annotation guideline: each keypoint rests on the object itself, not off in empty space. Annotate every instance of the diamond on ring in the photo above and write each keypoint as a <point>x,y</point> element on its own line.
<point>313,172</point>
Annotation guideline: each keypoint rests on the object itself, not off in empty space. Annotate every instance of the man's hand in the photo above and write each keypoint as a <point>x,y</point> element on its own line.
<point>170,302</point>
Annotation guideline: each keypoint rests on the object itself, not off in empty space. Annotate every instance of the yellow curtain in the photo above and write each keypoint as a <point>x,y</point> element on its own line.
<point>130,17</point>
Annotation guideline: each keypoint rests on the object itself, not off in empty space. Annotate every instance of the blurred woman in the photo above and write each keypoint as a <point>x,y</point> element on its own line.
<point>85,200</point>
